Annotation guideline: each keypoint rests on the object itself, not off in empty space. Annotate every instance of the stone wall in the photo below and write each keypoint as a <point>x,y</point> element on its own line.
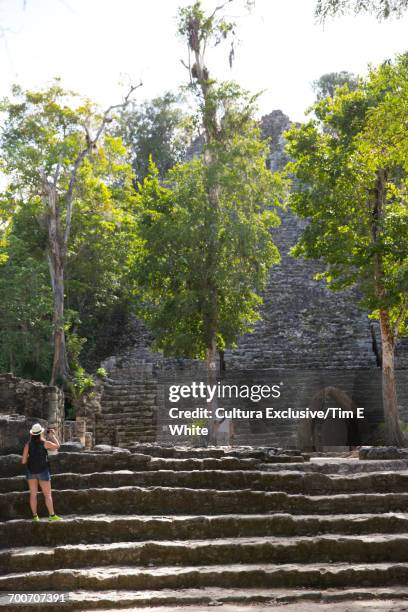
<point>24,402</point>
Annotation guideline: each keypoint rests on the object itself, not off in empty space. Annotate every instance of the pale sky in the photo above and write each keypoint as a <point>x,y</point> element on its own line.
<point>93,45</point>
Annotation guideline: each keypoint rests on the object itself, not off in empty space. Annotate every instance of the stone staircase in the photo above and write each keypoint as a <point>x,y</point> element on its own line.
<point>129,404</point>
<point>202,527</point>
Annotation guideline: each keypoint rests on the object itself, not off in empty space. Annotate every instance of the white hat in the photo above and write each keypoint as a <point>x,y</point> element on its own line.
<point>36,429</point>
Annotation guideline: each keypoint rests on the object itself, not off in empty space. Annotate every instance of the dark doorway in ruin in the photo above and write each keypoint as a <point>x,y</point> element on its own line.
<point>333,433</point>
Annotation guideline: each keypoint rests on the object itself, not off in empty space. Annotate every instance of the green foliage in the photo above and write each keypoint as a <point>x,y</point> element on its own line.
<point>25,295</point>
<point>382,9</point>
<point>101,373</point>
<point>201,262</point>
<point>42,136</point>
<point>328,83</point>
<point>41,132</point>
<point>404,427</point>
<point>82,382</point>
<point>207,245</point>
<point>104,244</point>
<point>337,158</point>
<point>158,128</point>
<point>25,306</point>
<point>199,28</point>
<point>74,347</point>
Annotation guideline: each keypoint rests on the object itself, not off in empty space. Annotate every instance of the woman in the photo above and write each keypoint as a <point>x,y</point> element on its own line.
<point>35,457</point>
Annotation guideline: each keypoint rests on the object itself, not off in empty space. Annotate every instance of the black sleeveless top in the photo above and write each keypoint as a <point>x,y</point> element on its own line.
<point>37,457</point>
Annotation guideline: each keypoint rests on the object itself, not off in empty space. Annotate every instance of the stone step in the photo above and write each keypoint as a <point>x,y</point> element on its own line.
<point>125,414</point>
<point>148,427</point>
<point>180,452</point>
<point>195,463</point>
<point>194,459</point>
<point>200,600</point>
<point>112,384</point>
<point>89,462</point>
<point>137,392</point>
<point>137,380</point>
<point>113,408</point>
<point>377,548</point>
<point>141,388</point>
<point>135,398</point>
<point>131,399</point>
<point>232,576</point>
<point>125,440</point>
<point>340,466</point>
<point>121,431</point>
<point>134,390</point>
<point>103,528</point>
<point>289,482</point>
<point>237,600</point>
<point>165,500</point>
<point>80,462</point>
<point>121,418</point>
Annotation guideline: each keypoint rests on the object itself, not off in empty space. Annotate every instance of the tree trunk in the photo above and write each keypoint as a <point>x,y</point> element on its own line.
<point>394,433</point>
<point>212,380</point>
<point>60,368</point>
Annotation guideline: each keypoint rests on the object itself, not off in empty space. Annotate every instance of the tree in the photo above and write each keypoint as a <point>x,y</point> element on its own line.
<point>350,165</point>
<point>206,231</point>
<point>98,270</point>
<point>199,31</point>
<point>327,84</point>
<point>44,146</point>
<point>175,223</point>
<point>104,245</point>
<point>382,9</point>
<point>158,128</point>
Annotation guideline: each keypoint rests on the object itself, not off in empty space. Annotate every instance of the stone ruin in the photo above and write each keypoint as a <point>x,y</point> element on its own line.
<point>304,328</point>
<point>22,403</point>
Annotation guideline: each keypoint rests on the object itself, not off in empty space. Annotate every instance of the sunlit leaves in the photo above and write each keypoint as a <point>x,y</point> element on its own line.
<point>193,252</point>
<point>335,162</point>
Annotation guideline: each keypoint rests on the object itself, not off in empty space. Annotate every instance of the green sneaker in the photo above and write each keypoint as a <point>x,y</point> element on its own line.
<point>54,517</point>
<point>36,518</point>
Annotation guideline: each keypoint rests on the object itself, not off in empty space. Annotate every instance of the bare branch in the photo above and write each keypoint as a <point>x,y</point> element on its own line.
<point>90,145</point>
<point>57,170</point>
<point>113,107</point>
<point>219,8</point>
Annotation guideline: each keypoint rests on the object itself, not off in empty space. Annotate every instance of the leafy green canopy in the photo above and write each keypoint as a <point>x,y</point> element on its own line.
<point>201,261</point>
<point>158,128</point>
<point>336,160</point>
<point>41,133</point>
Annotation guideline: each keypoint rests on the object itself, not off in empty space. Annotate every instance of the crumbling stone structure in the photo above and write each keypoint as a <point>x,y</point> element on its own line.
<point>22,403</point>
<point>304,327</point>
